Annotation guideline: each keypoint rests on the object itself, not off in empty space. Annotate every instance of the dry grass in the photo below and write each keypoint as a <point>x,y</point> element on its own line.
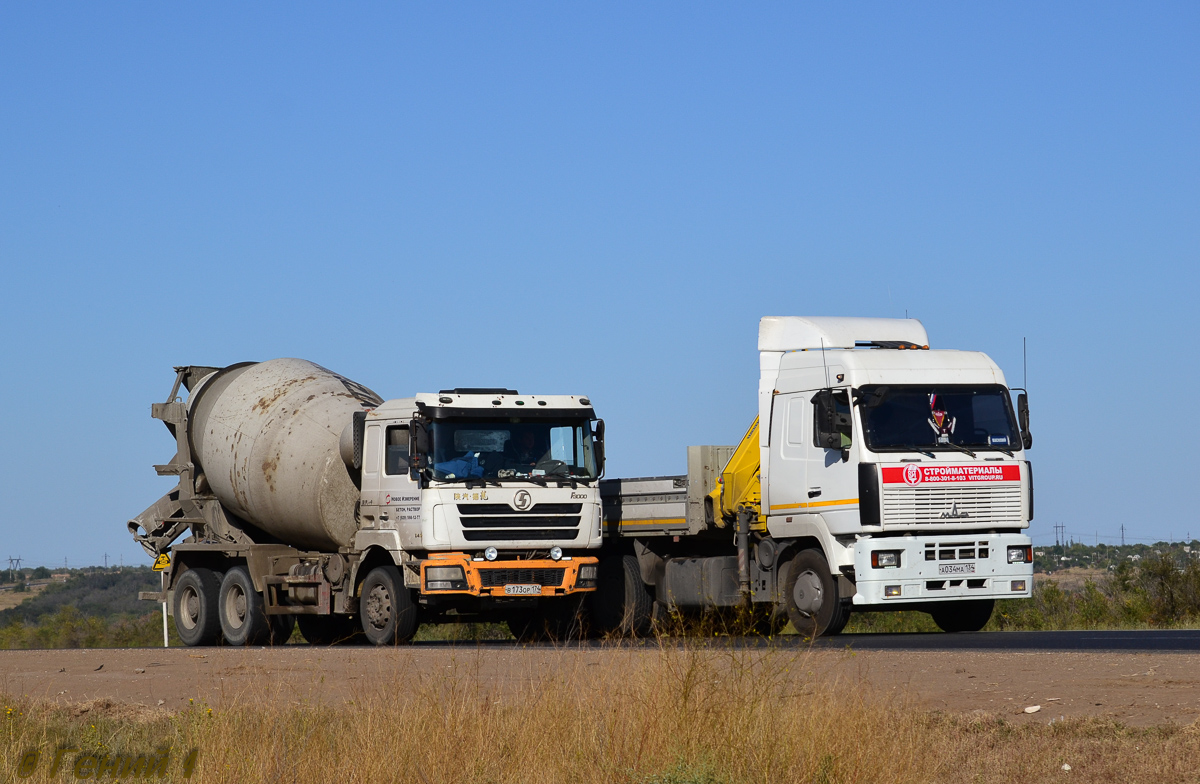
<point>679,714</point>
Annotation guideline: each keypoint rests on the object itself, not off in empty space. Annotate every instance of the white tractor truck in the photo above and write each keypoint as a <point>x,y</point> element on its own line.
<point>879,475</point>
<point>305,498</point>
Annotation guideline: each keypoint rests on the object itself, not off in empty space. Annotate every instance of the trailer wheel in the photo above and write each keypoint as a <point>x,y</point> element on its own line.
<point>964,616</point>
<point>388,613</point>
<point>811,596</point>
<point>196,620</point>
<point>329,629</point>
<point>244,620</point>
<point>621,604</point>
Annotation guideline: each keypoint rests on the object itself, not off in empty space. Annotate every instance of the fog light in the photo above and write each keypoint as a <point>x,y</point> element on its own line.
<point>556,553</point>
<point>1018,585</point>
<point>891,590</point>
<point>885,559</point>
<point>1020,554</point>
<point>491,553</point>
<point>587,576</point>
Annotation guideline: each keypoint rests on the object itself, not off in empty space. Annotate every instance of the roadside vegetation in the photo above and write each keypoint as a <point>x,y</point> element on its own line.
<point>674,715</point>
<point>98,608</point>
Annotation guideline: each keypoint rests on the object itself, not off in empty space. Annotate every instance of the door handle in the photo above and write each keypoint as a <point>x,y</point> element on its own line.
<point>814,493</point>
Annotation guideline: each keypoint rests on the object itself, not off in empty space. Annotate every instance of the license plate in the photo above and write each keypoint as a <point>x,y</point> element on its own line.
<point>956,568</point>
<point>522,590</point>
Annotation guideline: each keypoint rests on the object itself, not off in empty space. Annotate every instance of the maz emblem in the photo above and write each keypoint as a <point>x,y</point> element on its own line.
<point>953,513</point>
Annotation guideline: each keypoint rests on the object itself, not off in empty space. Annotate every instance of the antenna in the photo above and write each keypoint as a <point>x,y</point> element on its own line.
<point>1024,366</point>
<point>823,362</point>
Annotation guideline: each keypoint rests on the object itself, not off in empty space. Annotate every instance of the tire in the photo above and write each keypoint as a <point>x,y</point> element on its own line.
<point>389,616</point>
<point>810,595</point>
<point>282,627</point>
<point>195,607</point>
<point>843,619</point>
<point>329,629</point>
<point>621,603</point>
<point>244,620</point>
<point>964,616</point>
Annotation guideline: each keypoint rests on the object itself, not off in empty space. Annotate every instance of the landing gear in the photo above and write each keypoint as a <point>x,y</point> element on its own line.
<point>811,596</point>
<point>964,616</point>
<point>196,594</point>
<point>386,607</point>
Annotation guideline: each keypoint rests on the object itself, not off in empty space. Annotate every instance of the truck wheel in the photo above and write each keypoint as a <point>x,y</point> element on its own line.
<point>386,607</point>
<point>282,627</point>
<point>196,620</point>
<point>329,629</point>
<point>243,614</point>
<point>621,604</point>
<point>843,619</point>
<point>964,616</point>
<point>811,596</point>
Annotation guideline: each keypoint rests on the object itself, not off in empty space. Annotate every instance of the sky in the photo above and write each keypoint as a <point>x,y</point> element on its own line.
<point>595,199</point>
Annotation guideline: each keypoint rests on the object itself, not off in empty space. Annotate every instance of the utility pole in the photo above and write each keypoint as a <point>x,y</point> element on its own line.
<point>1122,534</point>
<point>106,560</point>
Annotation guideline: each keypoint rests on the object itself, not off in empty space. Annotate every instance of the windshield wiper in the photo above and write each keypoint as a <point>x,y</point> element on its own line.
<point>918,450</point>
<point>953,445</point>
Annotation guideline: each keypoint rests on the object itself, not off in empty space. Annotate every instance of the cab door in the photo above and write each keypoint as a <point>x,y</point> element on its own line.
<point>399,496</point>
<point>832,478</point>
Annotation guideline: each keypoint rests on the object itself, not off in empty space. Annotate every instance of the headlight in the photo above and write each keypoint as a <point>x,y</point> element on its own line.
<point>885,559</point>
<point>1020,554</point>
<point>587,576</point>
<point>445,578</point>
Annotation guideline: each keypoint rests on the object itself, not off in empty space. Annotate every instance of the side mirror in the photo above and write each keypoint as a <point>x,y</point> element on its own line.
<point>825,428</point>
<point>1023,420</point>
<point>598,446</point>
<point>418,437</point>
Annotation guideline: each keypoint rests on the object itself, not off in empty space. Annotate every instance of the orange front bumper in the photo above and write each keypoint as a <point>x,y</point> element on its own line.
<point>511,578</point>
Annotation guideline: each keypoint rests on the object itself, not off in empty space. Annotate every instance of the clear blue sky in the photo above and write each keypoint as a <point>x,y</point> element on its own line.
<point>598,199</point>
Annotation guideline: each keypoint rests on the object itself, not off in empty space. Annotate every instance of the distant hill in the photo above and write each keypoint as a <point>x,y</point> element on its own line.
<point>96,595</point>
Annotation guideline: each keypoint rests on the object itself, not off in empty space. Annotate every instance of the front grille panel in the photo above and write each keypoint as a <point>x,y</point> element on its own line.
<point>495,578</point>
<point>519,522</point>
<point>505,509</point>
<point>522,534</point>
<point>962,506</point>
<point>501,523</point>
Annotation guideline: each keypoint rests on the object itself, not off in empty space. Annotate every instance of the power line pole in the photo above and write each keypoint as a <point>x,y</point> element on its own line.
<point>106,560</point>
<point>1122,534</point>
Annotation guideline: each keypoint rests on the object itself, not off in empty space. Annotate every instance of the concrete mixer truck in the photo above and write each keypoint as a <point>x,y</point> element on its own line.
<point>304,498</point>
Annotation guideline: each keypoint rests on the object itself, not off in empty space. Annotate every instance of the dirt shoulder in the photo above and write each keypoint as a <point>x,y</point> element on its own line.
<point>1139,689</point>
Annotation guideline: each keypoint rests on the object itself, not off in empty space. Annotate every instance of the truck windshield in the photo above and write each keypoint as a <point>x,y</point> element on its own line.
<point>934,418</point>
<point>512,449</point>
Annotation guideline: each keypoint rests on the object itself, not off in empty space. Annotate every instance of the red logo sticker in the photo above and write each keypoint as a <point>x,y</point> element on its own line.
<point>913,474</point>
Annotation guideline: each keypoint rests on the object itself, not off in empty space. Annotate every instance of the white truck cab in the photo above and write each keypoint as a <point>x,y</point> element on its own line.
<point>907,463</point>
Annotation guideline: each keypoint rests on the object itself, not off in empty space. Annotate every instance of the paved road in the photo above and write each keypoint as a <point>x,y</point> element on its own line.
<point>1174,641</point>
<point>1149,641</point>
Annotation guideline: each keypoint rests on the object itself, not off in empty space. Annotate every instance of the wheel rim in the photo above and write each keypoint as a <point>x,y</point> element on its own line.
<point>235,607</point>
<point>189,606</point>
<point>379,607</point>
<point>808,595</point>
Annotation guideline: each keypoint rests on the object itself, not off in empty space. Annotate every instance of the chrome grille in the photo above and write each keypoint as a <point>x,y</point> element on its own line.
<point>959,506</point>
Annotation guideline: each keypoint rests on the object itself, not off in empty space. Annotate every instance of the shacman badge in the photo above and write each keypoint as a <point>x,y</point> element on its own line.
<point>161,562</point>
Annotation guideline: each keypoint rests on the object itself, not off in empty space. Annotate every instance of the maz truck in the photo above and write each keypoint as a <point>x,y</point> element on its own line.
<point>879,475</point>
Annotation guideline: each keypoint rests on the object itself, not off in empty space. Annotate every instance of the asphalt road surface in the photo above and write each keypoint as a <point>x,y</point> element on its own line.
<point>1172,641</point>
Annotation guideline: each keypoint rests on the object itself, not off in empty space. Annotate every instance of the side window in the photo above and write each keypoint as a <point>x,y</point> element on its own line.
<point>396,461</point>
<point>371,451</point>
<point>562,444</point>
<point>832,425</point>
